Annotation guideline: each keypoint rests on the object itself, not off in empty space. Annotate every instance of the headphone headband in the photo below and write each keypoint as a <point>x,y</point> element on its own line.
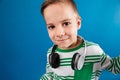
<point>53,49</point>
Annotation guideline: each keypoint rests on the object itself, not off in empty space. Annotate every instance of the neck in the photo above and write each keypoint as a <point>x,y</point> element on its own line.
<point>78,42</point>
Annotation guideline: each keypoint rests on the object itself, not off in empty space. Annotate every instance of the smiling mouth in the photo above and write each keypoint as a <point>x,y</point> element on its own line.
<point>62,40</point>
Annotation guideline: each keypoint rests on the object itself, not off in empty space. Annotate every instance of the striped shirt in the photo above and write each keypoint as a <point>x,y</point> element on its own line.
<point>95,61</point>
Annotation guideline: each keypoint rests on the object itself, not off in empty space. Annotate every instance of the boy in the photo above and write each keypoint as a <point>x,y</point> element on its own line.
<point>72,57</point>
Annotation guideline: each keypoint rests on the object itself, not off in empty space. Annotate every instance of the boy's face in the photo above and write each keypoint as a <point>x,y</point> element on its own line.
<point>62,24</point>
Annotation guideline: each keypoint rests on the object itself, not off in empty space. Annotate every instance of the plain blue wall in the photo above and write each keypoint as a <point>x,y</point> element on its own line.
<point>24,39</point>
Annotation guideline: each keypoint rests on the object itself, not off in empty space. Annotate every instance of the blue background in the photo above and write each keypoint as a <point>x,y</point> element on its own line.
<point>24,40</point>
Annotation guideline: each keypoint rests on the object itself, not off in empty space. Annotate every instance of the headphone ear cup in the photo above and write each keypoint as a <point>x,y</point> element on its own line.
<point>75,59</point>
<point>54,60</point>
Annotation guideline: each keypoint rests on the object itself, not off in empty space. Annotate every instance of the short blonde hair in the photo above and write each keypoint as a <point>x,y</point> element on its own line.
<point>46,3</point>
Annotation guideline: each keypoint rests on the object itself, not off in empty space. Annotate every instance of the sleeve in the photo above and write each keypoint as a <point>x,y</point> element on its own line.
<point>45,77</point>
<point>48,74</point>
<point>111,64</point>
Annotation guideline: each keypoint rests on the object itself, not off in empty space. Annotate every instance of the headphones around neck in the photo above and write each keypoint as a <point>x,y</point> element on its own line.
<point>77,59</point>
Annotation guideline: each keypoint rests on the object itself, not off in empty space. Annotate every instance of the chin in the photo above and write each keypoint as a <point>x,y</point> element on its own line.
<point>63,46</point>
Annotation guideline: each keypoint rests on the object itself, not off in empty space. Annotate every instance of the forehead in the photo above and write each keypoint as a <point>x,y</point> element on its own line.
<point>58,11</point>
<point>67,3</point>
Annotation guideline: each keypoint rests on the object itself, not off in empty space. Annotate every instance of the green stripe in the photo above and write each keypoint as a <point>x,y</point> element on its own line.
<point>118,63</point>
<point>44,77</point>
<point>49,51</point>
<point>67,77</point>
<point>70,50</point>
<point>65,64</point>
<point>65,61</point>
<point>96,73</point>
<point>103,59</point>
<point>92,61</point>
<point>47,65</point>
<point>92,58</point>
<point>78,47</point>
<point>115,67</point>
<point>109,68</point>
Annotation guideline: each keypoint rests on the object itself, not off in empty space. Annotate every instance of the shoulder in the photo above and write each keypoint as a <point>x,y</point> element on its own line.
<point>93,48</point>
<point>49,50</point>
<point>90,43</point>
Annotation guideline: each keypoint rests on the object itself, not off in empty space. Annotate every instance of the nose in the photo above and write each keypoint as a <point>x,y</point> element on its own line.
<point>60,31</point>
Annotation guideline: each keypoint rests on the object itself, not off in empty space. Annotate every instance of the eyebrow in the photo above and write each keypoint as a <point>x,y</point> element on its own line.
<point>49,24</point>
<point>60,21</point>
<point>65,20</point>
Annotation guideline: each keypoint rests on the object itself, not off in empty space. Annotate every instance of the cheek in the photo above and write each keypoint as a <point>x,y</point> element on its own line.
<point>73,30</point>
<point>51,35</point>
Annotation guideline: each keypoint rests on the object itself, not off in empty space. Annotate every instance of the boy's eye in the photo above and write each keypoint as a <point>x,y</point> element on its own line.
<point>51,27</point>
<point>66,23</point>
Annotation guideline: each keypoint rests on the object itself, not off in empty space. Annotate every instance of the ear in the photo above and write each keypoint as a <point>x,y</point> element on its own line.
<point>78,22</point>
